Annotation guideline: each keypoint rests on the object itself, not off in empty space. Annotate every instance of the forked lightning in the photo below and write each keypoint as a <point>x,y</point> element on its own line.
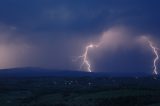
<point>85,57</point>
<point>155,51</point>
<point>86,63</point>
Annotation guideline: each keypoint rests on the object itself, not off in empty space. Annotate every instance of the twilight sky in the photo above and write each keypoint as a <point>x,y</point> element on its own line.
<point>52,33</point>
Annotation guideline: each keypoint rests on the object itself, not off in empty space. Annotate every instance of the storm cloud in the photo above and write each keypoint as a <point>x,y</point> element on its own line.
<point>50,33</point>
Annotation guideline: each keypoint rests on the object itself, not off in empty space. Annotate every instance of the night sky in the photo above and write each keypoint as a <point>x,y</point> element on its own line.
<point>52,33</point>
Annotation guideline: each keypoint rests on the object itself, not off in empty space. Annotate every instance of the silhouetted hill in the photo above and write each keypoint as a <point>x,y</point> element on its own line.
<point>37,72</point>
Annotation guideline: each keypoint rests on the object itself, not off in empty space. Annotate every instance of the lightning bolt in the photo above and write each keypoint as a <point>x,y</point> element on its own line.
<point>86,63</point>
<point>155,51</point>
<point>85,57</point>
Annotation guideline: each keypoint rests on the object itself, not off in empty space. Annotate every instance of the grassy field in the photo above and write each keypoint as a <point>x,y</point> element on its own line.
<point>104,98</point>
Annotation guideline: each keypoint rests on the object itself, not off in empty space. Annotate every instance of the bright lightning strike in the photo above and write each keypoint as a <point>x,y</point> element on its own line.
<point>155,51</point>
<point>85,57</point>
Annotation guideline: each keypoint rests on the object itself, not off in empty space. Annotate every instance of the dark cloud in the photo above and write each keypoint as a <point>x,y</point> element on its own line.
<point>58,30</point>
<point>79,16</point>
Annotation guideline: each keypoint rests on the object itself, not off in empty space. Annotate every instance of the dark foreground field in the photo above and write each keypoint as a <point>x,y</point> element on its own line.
<point>79,91</point>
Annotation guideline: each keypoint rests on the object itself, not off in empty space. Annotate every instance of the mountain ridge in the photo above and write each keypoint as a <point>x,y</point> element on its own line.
<point>34,72</point>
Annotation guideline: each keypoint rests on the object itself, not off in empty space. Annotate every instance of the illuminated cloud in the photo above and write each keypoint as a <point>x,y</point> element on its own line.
<point>116,37</point>
<point>14,50</point>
